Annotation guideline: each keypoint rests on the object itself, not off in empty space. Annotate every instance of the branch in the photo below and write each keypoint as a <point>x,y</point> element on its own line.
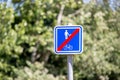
<point>34,54</point>
<point>75,13</point>
<point>59,19</point>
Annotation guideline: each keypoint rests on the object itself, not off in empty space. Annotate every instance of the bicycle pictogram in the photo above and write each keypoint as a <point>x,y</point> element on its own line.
<point>68,47</point>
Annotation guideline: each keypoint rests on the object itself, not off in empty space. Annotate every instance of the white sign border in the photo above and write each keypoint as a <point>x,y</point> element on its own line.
<point>55,39</point>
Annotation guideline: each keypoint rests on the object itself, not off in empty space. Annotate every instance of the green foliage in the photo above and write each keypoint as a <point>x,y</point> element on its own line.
<point>7,40</point>
<point>100,38</point>
<point>35,71</point>
<point>26,41</point>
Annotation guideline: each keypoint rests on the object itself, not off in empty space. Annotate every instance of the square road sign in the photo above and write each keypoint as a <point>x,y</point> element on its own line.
<point>68,39</point>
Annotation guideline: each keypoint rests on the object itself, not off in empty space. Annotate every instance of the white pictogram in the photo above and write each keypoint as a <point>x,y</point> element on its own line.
<point>66,34</point>
<point>67,47</point>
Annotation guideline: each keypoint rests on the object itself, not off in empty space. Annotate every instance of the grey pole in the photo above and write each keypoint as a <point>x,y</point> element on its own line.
<point>70,67</point>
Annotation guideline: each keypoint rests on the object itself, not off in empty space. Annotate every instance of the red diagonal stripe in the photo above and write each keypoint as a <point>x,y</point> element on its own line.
<point>68,39</point>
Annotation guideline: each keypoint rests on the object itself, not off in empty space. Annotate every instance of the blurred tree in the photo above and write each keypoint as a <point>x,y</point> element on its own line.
<point>100,38</point>
<point>26,40</point>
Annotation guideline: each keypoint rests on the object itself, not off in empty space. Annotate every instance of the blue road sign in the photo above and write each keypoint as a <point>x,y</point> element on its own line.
<point>68,39</point>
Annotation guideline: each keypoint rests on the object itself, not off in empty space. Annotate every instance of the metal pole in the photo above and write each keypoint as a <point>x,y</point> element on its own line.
<point>70,67</point>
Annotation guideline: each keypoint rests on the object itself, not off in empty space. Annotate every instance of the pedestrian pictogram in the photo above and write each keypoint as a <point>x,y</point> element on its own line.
<point>66,34</point>
<point>68,39</point>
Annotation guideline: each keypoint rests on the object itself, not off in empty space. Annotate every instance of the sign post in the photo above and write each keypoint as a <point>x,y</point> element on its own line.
<point>70,67</point>
<point>68,40</point>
